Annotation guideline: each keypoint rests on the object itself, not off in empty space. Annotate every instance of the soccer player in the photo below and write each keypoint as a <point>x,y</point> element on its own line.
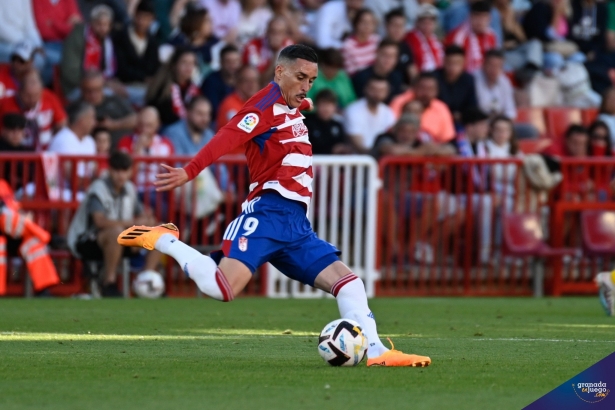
<point>273,226</point>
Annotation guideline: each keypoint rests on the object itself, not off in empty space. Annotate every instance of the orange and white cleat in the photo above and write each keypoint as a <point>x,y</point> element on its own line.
<point>395,358</point>
<point>146,236</point>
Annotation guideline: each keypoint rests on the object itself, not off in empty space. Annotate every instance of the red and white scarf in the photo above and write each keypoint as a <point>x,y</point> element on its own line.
<point>179,102</point>
<point>93,54</point>
<point>474,45</point>
<point>428,51</point>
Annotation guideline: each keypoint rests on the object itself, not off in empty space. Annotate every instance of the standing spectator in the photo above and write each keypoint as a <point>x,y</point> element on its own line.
<point>225,15</point>
<point>219,84</point>
<point>600,143</point>
<point>607,111</point>
<point>89,47</point>
<point>172,87</point>
<point>110,206</point>
<point>369,117</point>
<point>262,53</point>
<point>493,89</point>
<point>425,46</point>
<point>55,20</point>
<point>333,22</point>
<point>42,109</point>
<point>17,25</point>
<point>385,67</point>
<point>359,49</point>
<point>327,134</point>
<point>112,112</point>
<point>136,48</point>
<point>395,29</point>
<point>475,36</point>
<point>191,134</point>
<point>247,86</point>
<point>253,21</point>
<point>331,76</point>
<point>455,86</point>
<point>12,75</point>
<point>196,34</point>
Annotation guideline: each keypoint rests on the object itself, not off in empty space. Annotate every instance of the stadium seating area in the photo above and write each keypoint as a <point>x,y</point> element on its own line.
<point>478,112</point>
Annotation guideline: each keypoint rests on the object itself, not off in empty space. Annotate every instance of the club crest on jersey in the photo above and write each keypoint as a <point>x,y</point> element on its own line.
<point>248,123</point>
<point>300,130</point>
<point>243,244</point>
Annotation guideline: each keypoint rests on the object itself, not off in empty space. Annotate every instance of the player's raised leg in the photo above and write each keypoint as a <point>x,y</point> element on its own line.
<point>349,292</point>
<point>219,282</point>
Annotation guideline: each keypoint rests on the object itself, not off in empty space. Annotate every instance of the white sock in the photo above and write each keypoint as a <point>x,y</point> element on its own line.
<point>198,267</point>
<point>352,303</point>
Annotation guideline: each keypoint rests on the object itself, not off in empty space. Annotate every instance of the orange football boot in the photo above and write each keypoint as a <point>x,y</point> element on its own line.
<point>395,358</point>
<point>146,236</point>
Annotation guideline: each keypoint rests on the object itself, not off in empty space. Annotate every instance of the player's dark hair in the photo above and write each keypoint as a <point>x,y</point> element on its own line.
<point>454,50</point>
<point>296,51</point>
<point>13,121</point>
<point>398,12</point>
<point>494,53</point>
<point>325,95</point>
<point>196,100</point>
<point>575,129</point>
<point>229,48</point>
<point>481,6</point>
<point>120,161</point>
<point>359,15</point>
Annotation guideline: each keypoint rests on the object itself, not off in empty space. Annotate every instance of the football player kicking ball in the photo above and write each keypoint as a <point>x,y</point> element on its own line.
<point>273,226</point>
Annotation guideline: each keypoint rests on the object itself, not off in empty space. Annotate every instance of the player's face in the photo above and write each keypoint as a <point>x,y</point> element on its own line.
<point>295,80</point>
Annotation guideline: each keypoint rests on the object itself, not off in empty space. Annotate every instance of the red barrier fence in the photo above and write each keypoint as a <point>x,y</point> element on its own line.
<point>440,220</point>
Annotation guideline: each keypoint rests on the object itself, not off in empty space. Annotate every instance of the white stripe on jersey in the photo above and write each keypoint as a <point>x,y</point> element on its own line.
<point>283,109</point>
<point>304,139</point>
<point>297,160</point>
<point>305,180</point>
<point>290,123</point>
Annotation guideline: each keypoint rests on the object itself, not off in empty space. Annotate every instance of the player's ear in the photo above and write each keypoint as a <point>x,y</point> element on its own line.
<point>279,69</point>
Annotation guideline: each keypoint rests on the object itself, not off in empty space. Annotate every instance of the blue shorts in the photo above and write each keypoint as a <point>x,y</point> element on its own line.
<point>276,230</point>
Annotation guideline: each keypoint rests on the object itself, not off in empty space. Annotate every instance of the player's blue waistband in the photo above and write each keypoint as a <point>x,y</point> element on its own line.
<point>274,197</point>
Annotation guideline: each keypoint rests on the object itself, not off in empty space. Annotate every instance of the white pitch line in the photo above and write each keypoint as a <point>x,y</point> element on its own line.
<point>542,340</point>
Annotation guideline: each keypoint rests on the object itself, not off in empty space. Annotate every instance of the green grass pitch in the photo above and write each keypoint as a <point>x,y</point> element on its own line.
<point>488,353</point>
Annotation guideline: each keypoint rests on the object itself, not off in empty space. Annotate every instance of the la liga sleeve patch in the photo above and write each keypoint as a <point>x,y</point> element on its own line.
<point>248,122</point>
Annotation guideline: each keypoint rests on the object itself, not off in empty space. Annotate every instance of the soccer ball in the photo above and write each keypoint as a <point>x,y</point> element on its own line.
<point>148,284</point>
<point>342,343</point>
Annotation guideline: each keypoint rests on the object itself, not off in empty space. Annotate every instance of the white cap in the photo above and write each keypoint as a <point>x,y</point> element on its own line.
<point>427,10</point>
<point>24,50</point>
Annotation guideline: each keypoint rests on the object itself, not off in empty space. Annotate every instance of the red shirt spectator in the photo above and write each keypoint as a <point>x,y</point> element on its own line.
<point>262,52</point>
<point>426,48</point>
<point>359,49</point>
<point>476,36</point>
<point>12,74</point>
<point>55,18</point>
<point>41,107</point>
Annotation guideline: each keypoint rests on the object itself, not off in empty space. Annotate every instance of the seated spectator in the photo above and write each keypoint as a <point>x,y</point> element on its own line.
<point>588,26</point>
<point>327,134</point>
<point>191,134</point>
<point>503,144</point>
<point>405,139</point>
<point>89,47</point>
<point>121,16</point>
<point>384,66</point>
<point>110,206</point>
<point>575,144</point>
<point>253,21</point>
<point>331,76</point>
<point>455,86</point>
<point>21,63</point>
<point>369,117</point>
<point>459,12</point>
<point>262,53</point>
<point>102,139</point>
<point>600,143</point>
<point>42,109</point>
<point>494,91</point>
<point>112,112</point>
<point>219,84</point>
<point>298,16</point>
<point>416,108</point>
<point>17,25</point>
<point>607,111</point>
<point>55,20</point>
<point>225,15</point>
<point>172,87</point>
<point>147,142</point>
<point>196,34</point>
<point>475,36</point>
<point>395,29</point>
<point>136,49</point>
<point>12,140</point>
<point>425,45</point>
<point>359,49</point>
<point>247,86</point>
<point>333,22</point>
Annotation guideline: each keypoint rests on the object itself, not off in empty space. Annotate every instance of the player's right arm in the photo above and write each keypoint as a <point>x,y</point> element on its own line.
<point>245,125</point>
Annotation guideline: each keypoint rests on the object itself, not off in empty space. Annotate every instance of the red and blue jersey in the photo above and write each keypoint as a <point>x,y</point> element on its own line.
<point>277,146</point>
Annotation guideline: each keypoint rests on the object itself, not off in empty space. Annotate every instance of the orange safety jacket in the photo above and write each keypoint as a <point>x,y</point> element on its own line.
<point>33,247</point>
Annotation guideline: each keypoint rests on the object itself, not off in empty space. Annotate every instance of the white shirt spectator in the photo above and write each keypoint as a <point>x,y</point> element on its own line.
<point>225,15</point>
<point>332,24</point>
<point>359,120</point>
<point>66,142</point>
<point>496,99</point>
<point>17,23</point>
